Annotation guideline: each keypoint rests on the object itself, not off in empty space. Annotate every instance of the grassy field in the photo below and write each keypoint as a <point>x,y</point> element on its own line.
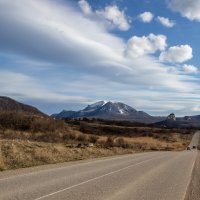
<point>29,141</point>
<point>19,154</point>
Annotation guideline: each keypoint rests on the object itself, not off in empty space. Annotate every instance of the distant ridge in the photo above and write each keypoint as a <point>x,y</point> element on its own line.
<point>111,111</point>
<point>180,122</point>
<point>10,105</point>
<point>104,110</point>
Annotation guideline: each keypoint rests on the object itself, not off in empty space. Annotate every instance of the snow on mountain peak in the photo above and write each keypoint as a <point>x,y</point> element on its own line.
<point>99,103</point>
<point>121,111</point>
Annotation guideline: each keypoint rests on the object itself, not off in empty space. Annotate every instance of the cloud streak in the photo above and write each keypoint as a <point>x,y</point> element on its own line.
<point>59,34</point>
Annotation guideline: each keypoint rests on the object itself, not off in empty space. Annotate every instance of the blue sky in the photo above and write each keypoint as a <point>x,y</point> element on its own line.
<point>67,54</point>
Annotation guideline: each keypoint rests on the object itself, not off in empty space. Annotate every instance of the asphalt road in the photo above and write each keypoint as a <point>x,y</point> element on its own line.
<point>144,176</point>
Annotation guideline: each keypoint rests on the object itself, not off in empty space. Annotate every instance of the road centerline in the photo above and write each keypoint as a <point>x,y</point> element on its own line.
<point>96,178</point>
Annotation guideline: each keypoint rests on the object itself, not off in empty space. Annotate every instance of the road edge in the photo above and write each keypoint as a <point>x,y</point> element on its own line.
<point>193,189</point>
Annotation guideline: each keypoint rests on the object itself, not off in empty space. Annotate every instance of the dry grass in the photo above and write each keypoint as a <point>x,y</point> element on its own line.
<point>149,143</point>
<point>17,153</point>
<point>177,142</point>
<point>28,141</point>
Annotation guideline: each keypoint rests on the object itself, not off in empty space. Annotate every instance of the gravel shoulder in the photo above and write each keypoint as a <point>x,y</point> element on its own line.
<point>193,191</point>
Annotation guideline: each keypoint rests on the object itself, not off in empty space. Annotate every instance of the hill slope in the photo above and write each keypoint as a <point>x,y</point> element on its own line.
<point>10,105</point>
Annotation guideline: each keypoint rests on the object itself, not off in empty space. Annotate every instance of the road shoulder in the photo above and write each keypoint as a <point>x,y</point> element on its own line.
<point>193,191</point>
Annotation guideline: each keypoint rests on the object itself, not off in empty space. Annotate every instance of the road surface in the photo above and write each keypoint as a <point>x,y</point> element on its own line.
<point>144,176</point>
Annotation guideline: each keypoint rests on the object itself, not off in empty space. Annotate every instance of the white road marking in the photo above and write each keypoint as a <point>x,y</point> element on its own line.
<point>96,178</point>
<point>190,176</point>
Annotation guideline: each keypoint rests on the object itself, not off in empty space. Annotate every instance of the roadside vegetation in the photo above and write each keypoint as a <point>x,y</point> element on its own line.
<point>34,140</point>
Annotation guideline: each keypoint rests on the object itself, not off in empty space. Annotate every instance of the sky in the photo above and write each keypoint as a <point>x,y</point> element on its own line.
<point>66,54</point>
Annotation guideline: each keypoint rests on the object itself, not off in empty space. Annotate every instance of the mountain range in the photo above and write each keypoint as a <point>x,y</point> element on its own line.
<point>104,110</point>
<point>123,112</point>
<point>110,110</point>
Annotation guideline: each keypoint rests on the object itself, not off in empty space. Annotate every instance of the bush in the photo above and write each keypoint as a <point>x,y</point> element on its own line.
<point>120,142</point>
<point>93,139</point>
<point>38,128</point>
<point>109,142</point>
<point>22,122</point>
<point>82,138</point>
<point>69,136</point>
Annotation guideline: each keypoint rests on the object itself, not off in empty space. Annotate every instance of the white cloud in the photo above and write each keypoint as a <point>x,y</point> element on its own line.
<point>187,8</point>
<point>139,46</point>
<point>115,17</point>
<point>146,17</point>
<point>72,44</point>
<point>177,54</point>
<point>85,7</point>
<point>111,16</point>
<point>166,22</point>
<point>65,41</point>
<point>190,69</point>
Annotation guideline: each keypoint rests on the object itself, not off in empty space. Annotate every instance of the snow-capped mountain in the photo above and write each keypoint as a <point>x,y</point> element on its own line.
<point>109,110</point>
<point>94,106</point>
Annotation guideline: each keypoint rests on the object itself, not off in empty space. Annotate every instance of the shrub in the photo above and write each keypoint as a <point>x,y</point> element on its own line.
<point>120,142</point>
<point>93,139</point>
<point>23,122</point>
<point>109,142</point>
<point>82,138</point>
<point>69,136</point>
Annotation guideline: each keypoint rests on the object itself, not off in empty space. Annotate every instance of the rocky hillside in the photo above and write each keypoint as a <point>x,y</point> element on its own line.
<point>180,122</point>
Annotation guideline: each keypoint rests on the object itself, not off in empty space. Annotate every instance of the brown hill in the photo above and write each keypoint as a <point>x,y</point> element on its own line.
<point>10,105</point>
